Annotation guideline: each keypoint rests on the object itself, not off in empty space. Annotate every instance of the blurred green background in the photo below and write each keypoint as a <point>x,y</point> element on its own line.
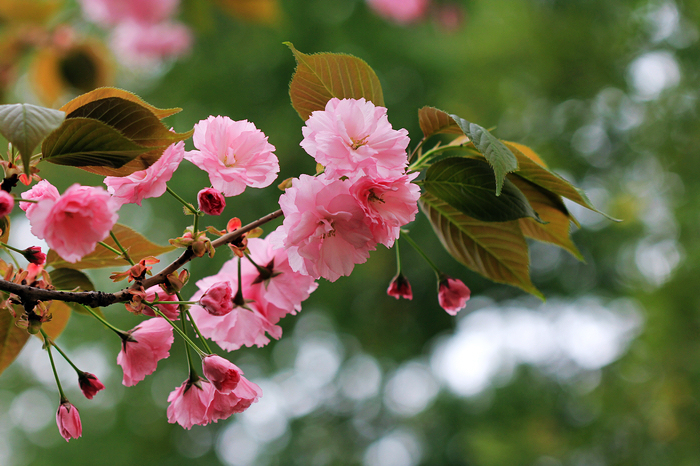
<point>606,372</point>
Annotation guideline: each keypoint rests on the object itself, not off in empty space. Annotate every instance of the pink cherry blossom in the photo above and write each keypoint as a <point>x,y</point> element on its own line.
<point>74,223</point>
<point>150,182</point>
<point>223,374</point>
<point>352,135</point>
<point>324,229</point>
<point>211,201</point>
<point>42,190</point>
<point>112,12</point>
<point>148,343</point>
<point>223,405</point>
<point>89,384</point>
<point>388,204</point>
<point>235,154</point>
<point>189,403</point>
<point>7,203</point>
<point>453,295</point>
<point>68,421</point>
<point>218,299</point>
<point>400,287</point>
<point>400,11</point>
<point>171,311</point>
<point>146,45</point>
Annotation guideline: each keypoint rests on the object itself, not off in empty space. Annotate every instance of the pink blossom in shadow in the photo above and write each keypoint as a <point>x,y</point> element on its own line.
<point>189,403</point>
<point>223,405</point>
<point>113,12</point>
<point>42,190</point>
<point>171,311</point>
<point>221,373</point>
<point>453,295</point>
<point>235,154</point>
<point>143,45</point>
<point>147,183</point>
<point>400,11</point>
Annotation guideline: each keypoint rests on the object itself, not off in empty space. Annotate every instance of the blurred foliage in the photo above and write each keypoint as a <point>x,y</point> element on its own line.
<point>565,77</point>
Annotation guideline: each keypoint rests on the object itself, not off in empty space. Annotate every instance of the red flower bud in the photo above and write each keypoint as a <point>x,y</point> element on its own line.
<point>89,384</point>
<point>453,295</point>
<point>211,201</point>
<point>34,255</point>
<point>400,287</point>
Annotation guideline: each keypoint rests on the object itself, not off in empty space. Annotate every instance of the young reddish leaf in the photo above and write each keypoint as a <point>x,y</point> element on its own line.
<point>496,250</point>
<point>434,121</point>
<point>25,126</point>
<point>12,339</point>
<point>532,170</point>
<point>107,92</point>
<point>468,186</point>
<point>496,153</point>
<point>321,76</point>
<point>71,279</point>
<point>60,313</point>
<point>552,210</point>
<point>135,243</point>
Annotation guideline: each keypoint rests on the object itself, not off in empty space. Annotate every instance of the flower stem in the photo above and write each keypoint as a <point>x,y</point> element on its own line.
<point>187,205</point>
<point>169,302</point>
<point>194,325</point>
<point>121,248</point>
<point>11,248</point>
<point>177,329</point>
<point>121,333</point>
<point>260,268</point>
<point>47,342</point>
<point>398,258</point>
<point>65,356</point>
<point>102,243</point>
<point>415,246</point>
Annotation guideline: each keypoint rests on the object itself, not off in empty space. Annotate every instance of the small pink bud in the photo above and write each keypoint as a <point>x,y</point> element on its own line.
<point>211,201</point>
<point>34,255</point>
<point>453,295</point>
<point>7,203</point>
<point>89,384</point>
<point>218,300</point>
<point>400,287</point>
<point>223,374</point>
<point>68,421</point>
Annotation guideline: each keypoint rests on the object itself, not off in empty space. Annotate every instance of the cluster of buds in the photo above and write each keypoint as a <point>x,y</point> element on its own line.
<point>199,243</point>
<point>137,272</point>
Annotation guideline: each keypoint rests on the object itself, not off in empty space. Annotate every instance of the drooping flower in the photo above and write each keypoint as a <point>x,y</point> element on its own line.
<point>112,12</point>
<point>324,231</point>
<point>400,11</point>
<point>148,343</point>
<point>147,183</point>
<point>171,311</point>
<point>89,384</point>
<point>218,299</point>
<point>211,201</point>
<point>68,421</point>
<point>453,295</point>
<point>189,403</point>
<point>400,287</point>
<point>223,405</point>
<point>223,374</point>
<point>352,135</point>
<point>7,203</point>
<point>74,223</point>
<point>235,154</point>
<point>388,204</point>
<point>146,45</point>
<point>42,190</point>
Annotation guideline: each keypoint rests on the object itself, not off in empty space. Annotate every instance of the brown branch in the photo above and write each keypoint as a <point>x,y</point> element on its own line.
<point>100,299</point>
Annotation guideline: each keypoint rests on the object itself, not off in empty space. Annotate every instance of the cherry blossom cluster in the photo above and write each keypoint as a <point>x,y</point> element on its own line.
<point>142,31</point>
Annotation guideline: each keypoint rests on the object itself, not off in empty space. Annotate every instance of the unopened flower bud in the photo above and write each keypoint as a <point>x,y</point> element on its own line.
<point>211,201</point>
<point>7,203</point>
<point>400,287</point>
<point>68,421</point>
<point>453,295</point>
<point>218,300</point>
<point>89,384</point>
<point>34,255</point>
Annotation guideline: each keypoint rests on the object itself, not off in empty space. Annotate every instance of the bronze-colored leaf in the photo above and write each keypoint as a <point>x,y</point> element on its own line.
<point>135,243</point>
<point>60,313</point>
<point>107,92</point>
<point>320,77</point>
<point>12,339</point>
<point>496,250</point>
<point>434,121</point>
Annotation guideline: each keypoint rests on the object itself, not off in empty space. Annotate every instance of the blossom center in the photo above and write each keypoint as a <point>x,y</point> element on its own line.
<point>356,144</point>
<point>374,198</point>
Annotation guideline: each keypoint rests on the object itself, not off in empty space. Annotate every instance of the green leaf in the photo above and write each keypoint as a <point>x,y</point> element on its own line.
<point>12,339</point>
<point>26,125</point>
<point>468,186</point>
<point>531,170</point>
<point>85,142</point>
<point>497,154</point>
<point>321,76</point>
<point>68,280</point>
<point>135,243</point>
<point>552,210</point>
<point>434,121</point>
<point>496,250</point>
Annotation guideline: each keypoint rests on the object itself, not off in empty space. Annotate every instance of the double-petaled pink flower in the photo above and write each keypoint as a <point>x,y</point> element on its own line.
<point>146,344</point>
<point>324,229</point>
<point>223,374</point>
<point>111,12</point>
<point>453,295</point>
<point>235,154</point>
<point>400,11</point>
<point>351,135</point>
<point>74,223</point>
<point>171,311</point>
<point>147,183</point>
<point>218,299</point>
<point>7,203</point>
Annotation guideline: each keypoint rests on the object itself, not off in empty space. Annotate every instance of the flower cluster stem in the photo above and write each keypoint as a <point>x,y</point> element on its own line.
<point>119,332</point>
<point>47,342</point>
<point>121,248</point>
<point>415,246</point>
<point>177,329</point>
